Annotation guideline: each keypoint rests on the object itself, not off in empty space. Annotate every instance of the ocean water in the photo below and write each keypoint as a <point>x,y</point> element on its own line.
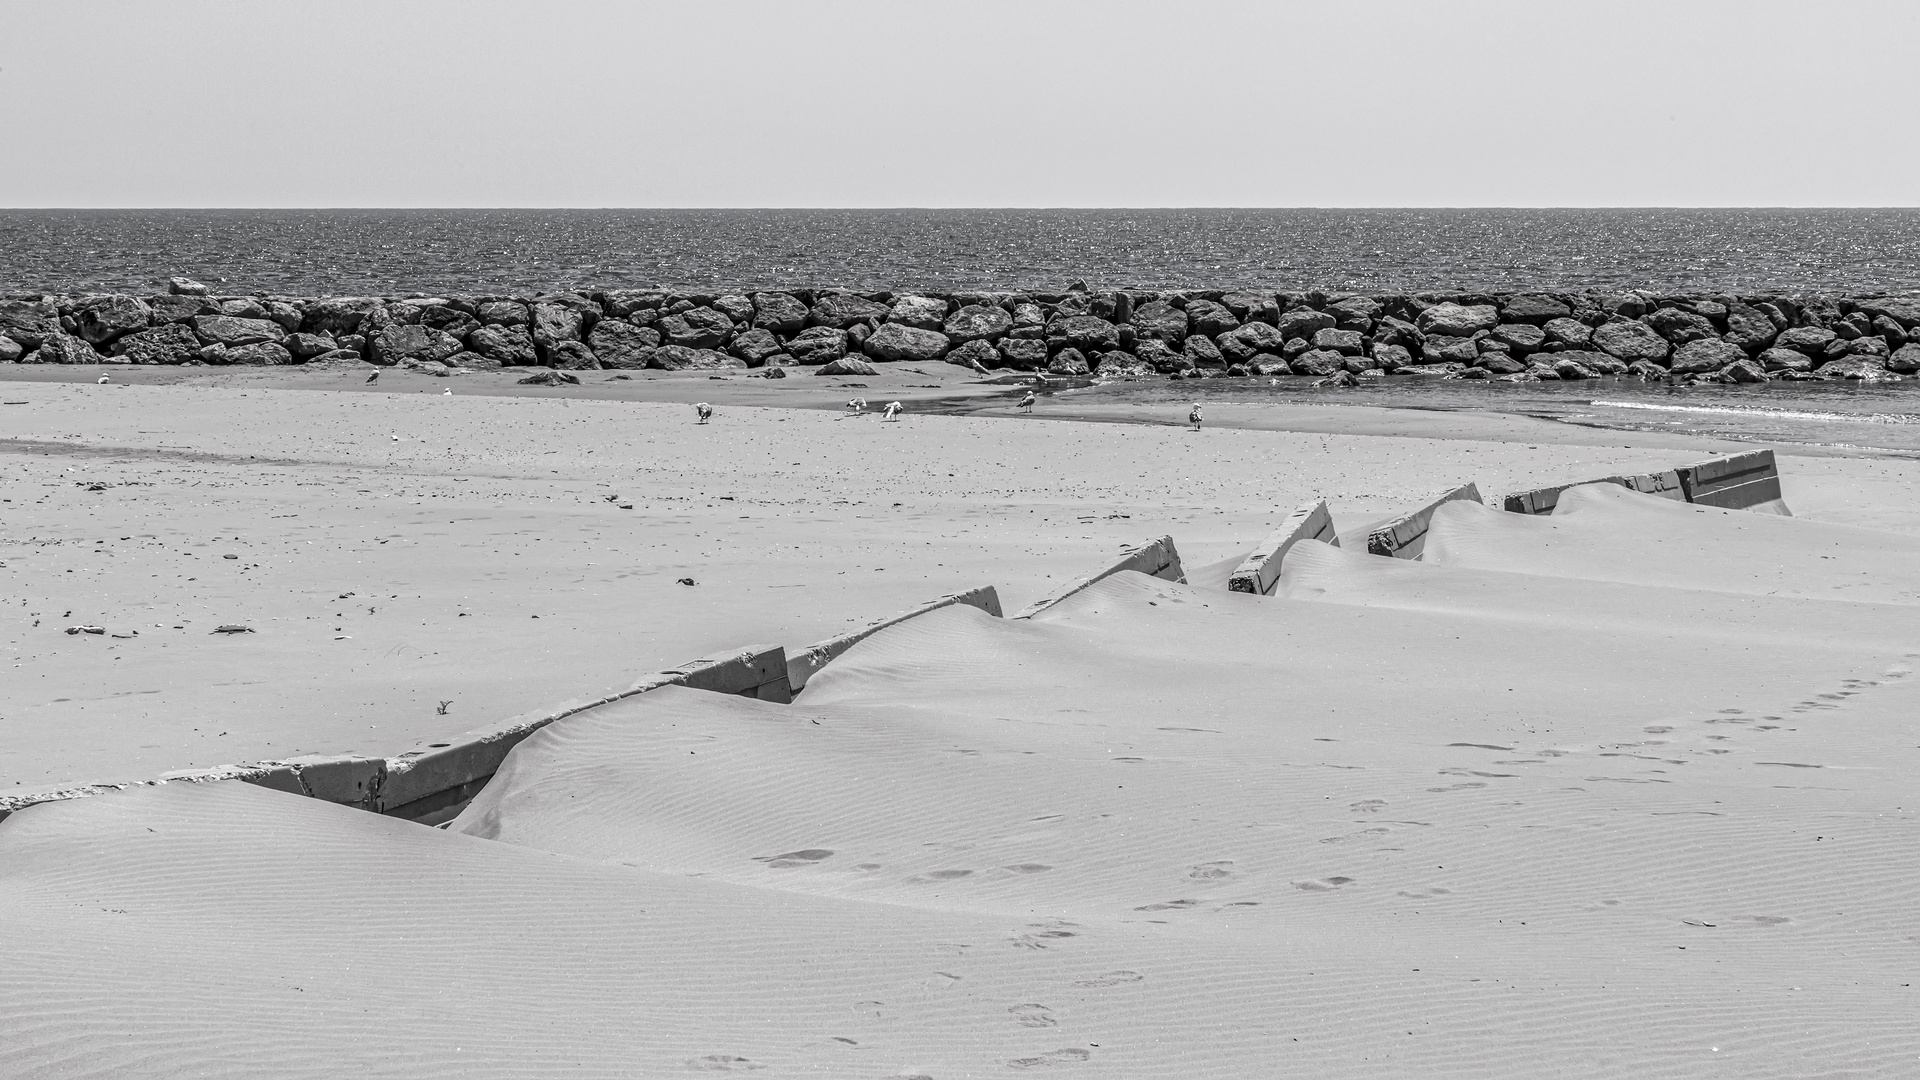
<point>307,252</point>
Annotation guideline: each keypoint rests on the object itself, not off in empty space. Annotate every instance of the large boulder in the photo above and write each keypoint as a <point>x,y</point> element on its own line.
<point>172,309</point>
<point>1811,340</point>
<point>1304,323</point>
<point>919,312</point>
<point>62,348</point>
<point>977,322</point>
<point>754,345</point>
<point>509,344</point>
<point>1088,333</point>
<point>779,312</point>
<point>1745,370</point>
<point>1500,363</point>
<point>1749,328</point>
<point>258,354</point>
<point>1905,359</point>
<point>1444,349</point>
<point>1707,354</point>
<point>976,355</point>
<point>1568,333</point>
<point>403,342</point>
<point>1202,352</point>
<point>682,358</point>
<point>1252,306</point>
<point>552,324</point>
<point>620,344</point>
<point>289,316</point>
<point>695,328</point>
<point>849,365</point>
<point>1157,320</point>
<point>841,310</point>
<point>1866,368</point>
<point>1318,362</point>
<point>1457,320</point>
<point>100,320</point>
<point>818,345</point>
<point>898,341</point>
<point>185,286</point>
<point>1209,318</point>
<point>1904,312</point>
<point>1630,340</point>
<point>341,314</point>
<point>168,344</point>
<point>307,346</point>
<point>735,307</point>
<point>1778,359</point>
<point>1568,366</point>
<point>571,356</point>
<point>1891,330</point>
<point>449,320</point>
<point>1069,362</point>
<point>1388,357</point>
<point>504,313</point>
<point>1872,345</point>
<point>1535,310</point>
<point>1388,330</point>
<point>1162,357</point>
<point>233,333</point>
<point>1024,354</point>
<point>1522,338</point>
<point>1354,313</point>
<point>1242,344</point>
<point>1117,364</point>
<point>1344,342</point>
<point>11,350</point>
<point>249,307</point>
<point>1681,327</point>
<point>29,322</point>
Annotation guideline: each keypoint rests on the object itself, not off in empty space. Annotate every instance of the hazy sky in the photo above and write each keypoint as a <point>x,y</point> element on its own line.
<point>844,103</point>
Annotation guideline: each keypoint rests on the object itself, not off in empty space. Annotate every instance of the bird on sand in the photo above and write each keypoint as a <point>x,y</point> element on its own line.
<point>704,411</point>
<point>448,392</point>
<point>102,380</point>
<point>857,405</point>
<point>373,378</point>
<point>1026,402</point>
<point>893,411</point>
<point>1193,416</point>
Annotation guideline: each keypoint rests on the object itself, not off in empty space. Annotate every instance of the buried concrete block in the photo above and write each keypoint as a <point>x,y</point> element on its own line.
<point>1736,482</point>
<point>1260,571</point>
<point>1665,485</point>
<point>1157,558</point>
<point>1406,536</point>
<point>807,662</point>
<point>347,780</point>
<point>757,671</point>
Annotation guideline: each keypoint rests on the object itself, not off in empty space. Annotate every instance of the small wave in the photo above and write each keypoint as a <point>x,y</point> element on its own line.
<point>1782,414</point>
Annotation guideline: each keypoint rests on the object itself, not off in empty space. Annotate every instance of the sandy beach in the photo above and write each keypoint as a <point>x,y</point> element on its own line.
<point>1622,791</point>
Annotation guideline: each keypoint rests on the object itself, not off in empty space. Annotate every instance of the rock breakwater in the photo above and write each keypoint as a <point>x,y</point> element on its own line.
<point>1199,333</point>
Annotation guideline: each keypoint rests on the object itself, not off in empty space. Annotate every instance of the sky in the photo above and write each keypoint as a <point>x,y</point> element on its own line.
<point>1047,103</point>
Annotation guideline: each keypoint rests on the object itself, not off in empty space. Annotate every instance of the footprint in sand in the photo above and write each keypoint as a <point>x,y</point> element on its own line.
<point>1043,934</point>
<point>939,875</point>
<point>1457,787</point>
<point>1368,806</point>
<point>1111,978</point>
<point>1363,834</point>
<point>1052,1057</point>
<point>1168,905</point>
<point>1322,885</point>
<point>1032,1015</point>
<point>1425,894</point>
<point>724,1063</point>
<point>795,858</point>
<point>1211,871</point>
<point>1028,868</point>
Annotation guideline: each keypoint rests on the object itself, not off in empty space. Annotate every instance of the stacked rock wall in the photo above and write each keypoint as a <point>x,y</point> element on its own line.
<point>1078,332</point>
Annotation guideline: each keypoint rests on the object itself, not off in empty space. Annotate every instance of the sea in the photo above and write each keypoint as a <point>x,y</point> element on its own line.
<point>1834,252</point>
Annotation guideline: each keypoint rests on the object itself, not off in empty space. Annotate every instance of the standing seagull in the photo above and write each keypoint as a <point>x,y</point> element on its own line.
<point>448,392</point>
<point>704,411</point>
<point>1026,402</point>
<point>103,380</point>
<point>1193,416</point>
<point>857,405</point>
<point>893,411</point>
<point>373,378</point>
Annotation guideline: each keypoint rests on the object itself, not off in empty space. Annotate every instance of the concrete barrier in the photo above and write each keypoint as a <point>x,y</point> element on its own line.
<point>807,662</point>
<point>1406,536</point>
<point>1736,482</point>
<point>1155,559</point>
<point>1260,571</point>
<point>1665,485</point>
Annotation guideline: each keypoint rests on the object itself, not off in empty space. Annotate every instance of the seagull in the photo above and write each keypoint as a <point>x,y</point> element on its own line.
<point>103,380</point>
<point>857,405</point>
<point>373,378</point>
<point>1193,416</point>
<point>893,410</point>
<point>703,410</point>
<point>1026,402</point>
<point>448,392</point>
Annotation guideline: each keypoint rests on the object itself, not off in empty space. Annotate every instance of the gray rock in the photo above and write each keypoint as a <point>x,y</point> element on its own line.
<point>552,324</point>
<point>29,322</point>
<point>173,309</point>
<point>1318,362</point>
<point>339,358</point>
<point>1568,333</point>
<point>736,308</point>
<point>779,312</point>
<point>1644,370</point>
<point>1522,338</point>
<point>1388,330</point>
<point>403,342</point>
<point>11,351</point>
<point>1600,363</point>
<point>1810,340</point>
<point>308,346</point>
<point>1852,325</point>
<point>1118,364</point>
<point>818,345</point>
<point>1157,320</point>
<point>505,343</point>
<point>1209,318</point>
<point>1707,354</point>
<point>977,322</point>
<point>244,307</point>
<point>1500,363</point>
<point>1745,370</point>
<point>1024,354</point>
<point>1778,359</point>
<point>1088,333</point>
<point>1865,368</point>
<point>233,333</point>
<point>1294,347</point>
<point>1872,345</point>
<point>1457,320</point>
<point>898,341</point>
<point>919,312</point>
<point>1243,343</point>
<point>571,356</point>
<point>848,365</point>
<point>61,348</point>
<point>1904,312</point>
<point>1891,330</point>
<point>259,354</point>
<point>1069,361</point>
<point>682,358</point>
<point>1749,328</point>
<point>628,304</point>
<point>977,354</point>
<point>99,320</point>
<point>168,344</point>
<point>620,344</point>
<point>1161,357</point>
<point>1905,359</point>
<point>338,315</point>
<point>1630,340</point>
<point>1200,350</point>
<point>857,336</point>
<point>1388,357</point>
<point>1354,313</point>
<point>472,361</point>
<point>1681,327</point>
<point>842,310</point>
<point>504,313</point>
<point>1252,307</point>
<point>1567,366</point>
<point>696,328</point>
<point>1344,342</point>
<point>1533,310</point>
<point>185,286</point>
<point>1442,348</point>
<point>753,345</point>
<point>1304,323</point>
<point>448,320</point>
<point>1028,314</point>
